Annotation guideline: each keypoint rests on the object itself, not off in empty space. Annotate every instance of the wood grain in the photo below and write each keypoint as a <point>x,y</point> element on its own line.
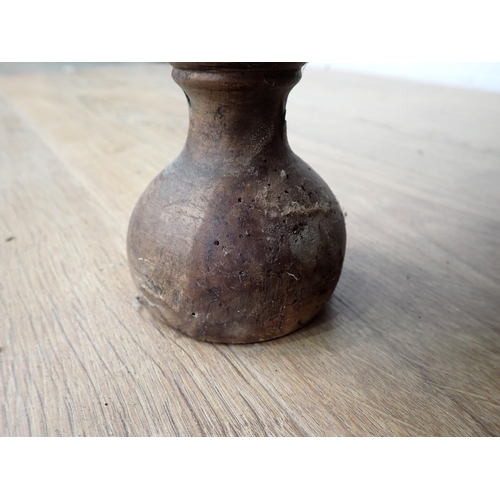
<point>409,344</point>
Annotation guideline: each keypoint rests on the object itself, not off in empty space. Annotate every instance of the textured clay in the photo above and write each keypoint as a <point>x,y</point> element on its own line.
<point>237,240</point>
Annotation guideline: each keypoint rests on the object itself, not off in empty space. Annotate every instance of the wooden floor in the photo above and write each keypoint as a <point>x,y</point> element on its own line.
<point>408,345</point>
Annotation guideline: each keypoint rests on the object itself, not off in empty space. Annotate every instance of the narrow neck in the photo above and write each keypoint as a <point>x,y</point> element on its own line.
<point>234,110</point>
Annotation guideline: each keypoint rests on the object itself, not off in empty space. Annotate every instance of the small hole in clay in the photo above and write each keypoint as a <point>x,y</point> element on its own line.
<point>216,243</point>
<point>194,314</point>
<point>286,191</point>
<point>239,200</point>
<point>269,184</point>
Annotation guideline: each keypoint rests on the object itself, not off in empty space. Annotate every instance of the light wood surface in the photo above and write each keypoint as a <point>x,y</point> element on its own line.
<point>408,345</point>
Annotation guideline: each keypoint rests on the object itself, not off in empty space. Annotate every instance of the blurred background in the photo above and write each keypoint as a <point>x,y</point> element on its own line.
<point>477,75</point>
<point>480,76</point>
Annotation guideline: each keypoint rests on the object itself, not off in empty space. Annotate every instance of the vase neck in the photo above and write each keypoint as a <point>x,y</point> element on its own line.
<point>236,110</point>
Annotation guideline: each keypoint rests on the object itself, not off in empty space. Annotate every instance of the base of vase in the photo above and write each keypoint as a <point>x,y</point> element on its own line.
<point>226,336</point>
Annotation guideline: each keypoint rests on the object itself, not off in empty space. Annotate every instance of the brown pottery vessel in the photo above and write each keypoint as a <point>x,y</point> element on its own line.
<point>237,240</point>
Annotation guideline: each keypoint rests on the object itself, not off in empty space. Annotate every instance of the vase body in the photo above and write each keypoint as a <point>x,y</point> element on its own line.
<point>238,240</point>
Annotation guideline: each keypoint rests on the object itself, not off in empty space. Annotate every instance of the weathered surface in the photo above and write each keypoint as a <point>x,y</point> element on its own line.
<point>408,345</point>
<point>237,240</point>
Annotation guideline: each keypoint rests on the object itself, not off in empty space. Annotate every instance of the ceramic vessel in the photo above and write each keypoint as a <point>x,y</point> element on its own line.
<point>238,240</point>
